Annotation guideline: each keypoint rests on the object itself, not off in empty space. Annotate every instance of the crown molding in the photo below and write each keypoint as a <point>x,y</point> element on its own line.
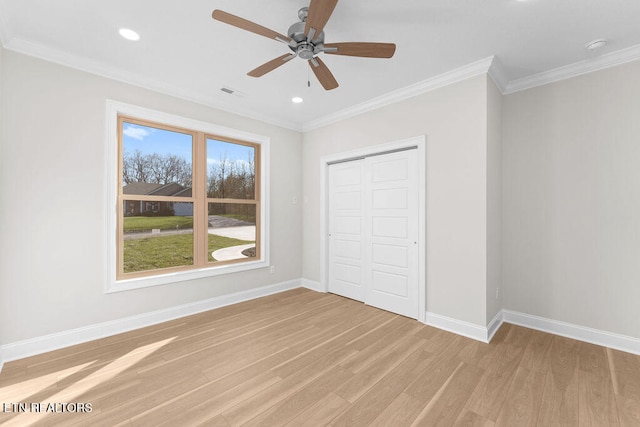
<point>5,32</point>
<point>586,66</point>
<point>40,51</point>
<point>462,73</point>
<point>497,74</point>
<point>490,66</point>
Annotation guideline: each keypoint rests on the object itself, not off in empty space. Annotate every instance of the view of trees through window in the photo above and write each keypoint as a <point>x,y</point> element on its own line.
<point>161,213</point>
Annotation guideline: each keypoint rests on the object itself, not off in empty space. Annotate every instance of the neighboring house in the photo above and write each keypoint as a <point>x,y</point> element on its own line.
<point>145,207</point>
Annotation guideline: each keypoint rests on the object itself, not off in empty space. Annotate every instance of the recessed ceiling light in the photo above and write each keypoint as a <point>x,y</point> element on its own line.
<point>129,34</point>
<point>596,44</point>
<point>296,100</point>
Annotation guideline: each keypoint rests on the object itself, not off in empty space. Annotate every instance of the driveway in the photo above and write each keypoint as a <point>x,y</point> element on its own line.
<point>233,228</point>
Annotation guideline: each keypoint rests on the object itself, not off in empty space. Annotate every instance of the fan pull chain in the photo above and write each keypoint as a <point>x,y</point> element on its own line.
<point>308,77</point>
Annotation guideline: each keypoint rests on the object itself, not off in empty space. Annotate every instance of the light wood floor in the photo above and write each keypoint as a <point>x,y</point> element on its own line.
<point>302,358</point>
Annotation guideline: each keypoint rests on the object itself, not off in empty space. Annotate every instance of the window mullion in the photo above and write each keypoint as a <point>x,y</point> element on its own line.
<point>200,193</point>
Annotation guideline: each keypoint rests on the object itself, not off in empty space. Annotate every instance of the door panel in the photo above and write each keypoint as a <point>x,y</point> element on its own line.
<point>393,256</point>
<point>348,225</point>
<point>373,231</point>
<point>392,198</point>
<point>345,230</point>
<point>392,170</point>
<point>384,226</point>
<point>392,232</point>
<point>347,249</point>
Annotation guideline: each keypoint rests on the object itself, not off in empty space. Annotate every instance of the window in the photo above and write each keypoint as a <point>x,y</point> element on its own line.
<point>189,199</point>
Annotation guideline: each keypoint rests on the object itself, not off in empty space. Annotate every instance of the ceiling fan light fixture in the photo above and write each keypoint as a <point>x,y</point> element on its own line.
<point>129,34</point>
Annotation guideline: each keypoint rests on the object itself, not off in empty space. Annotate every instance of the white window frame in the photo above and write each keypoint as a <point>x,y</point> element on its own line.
<point>115,108</point>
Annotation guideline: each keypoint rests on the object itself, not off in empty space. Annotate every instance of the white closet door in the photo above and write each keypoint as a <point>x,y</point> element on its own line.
<point>391,232</point>
<point>346,251</point>
<point>373,231</point>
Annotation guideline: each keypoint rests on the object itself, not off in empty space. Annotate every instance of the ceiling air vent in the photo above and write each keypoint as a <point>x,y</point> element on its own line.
<point>233,92</point>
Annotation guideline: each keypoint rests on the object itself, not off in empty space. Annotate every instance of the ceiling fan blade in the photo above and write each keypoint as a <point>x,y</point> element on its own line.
<point>366,50</point>
<point>244,24</point>
<point>271,65</point>
<point>319,13</point>
<point>323,74</point>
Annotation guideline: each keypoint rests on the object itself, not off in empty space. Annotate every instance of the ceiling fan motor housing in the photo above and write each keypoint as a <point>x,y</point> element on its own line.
<point>306,49</point>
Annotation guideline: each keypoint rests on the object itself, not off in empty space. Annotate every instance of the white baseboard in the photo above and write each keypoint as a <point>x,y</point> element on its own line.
<point>494,325</point>
<point>21,349</point>
<point>43,344</point>
<point>312,284</point>
<point>466,329</point>
<point>582,333</point>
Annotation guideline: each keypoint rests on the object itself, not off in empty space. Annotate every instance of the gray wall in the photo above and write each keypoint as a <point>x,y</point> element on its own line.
<point>454,120</point>
<point>53,201</point>
<point>494,200</point>
<point>571,208</point>
<point>3,227</point>
<point>536,192</point>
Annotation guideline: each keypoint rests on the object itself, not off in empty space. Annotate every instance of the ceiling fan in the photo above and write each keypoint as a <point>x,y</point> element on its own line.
<point>306,40</point>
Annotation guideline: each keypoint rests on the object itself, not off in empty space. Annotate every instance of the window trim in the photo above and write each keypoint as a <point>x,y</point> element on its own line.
<point>115,108</point>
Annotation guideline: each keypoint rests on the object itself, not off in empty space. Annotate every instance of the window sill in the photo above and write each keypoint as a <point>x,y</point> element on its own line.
<point>181,276</point>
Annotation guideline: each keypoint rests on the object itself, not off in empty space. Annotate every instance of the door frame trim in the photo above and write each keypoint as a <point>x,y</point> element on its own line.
<point>420,143</point>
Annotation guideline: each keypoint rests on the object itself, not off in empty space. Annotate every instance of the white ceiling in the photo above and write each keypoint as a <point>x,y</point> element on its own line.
<point>184,52</point>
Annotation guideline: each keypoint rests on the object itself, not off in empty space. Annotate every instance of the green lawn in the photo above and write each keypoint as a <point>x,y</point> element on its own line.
<point>151,253</point>
<point>146,223</point>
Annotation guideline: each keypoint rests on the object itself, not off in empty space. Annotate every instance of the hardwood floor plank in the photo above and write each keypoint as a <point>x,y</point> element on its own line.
<point>367,408</point>
<point>469,418</point>
<point>373,344</point>
<point>493,350</point>
<point>212,398</point>
<point>218,421</point>
<point>625,377</point>
<point>290,407</point>
<point>140,399</point>
<point>207,405</point>
<point>440,340</point>
<point>320,352</point>
<point>228,359</point>
<point>364,379</point>
<point>450,401</point>
<point>561,390</point>
<point>625,371</point>
<point>597,404</point>
<point>628,411</point>
<point>536,354</point>
<point>593,359</point>
<point>427,383</point>
<point>273,395</point>
<point>302,358</point>
<point>523,401</point>
<point>491,392</point>
<point>321,413</point>
<point>401,412</point>
<point>476,352</point>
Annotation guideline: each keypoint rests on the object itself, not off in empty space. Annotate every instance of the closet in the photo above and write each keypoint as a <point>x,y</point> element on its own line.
<point>373,230</point>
